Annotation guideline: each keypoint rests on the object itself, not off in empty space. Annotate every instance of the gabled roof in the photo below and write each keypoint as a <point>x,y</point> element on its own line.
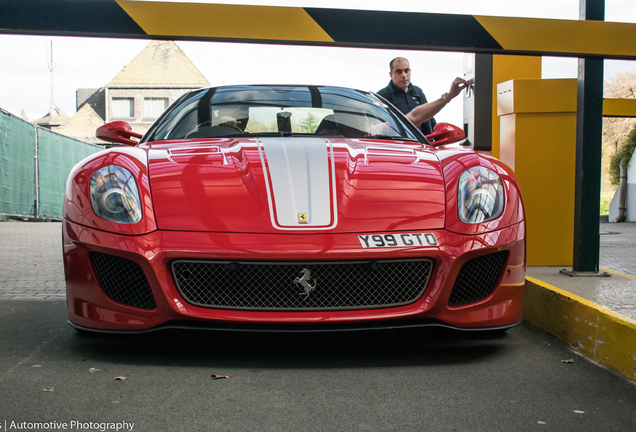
<point>161,64</point>
<point>55,117</point>
<point>87,119</point>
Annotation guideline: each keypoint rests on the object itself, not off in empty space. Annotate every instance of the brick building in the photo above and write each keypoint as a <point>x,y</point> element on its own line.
<point>138,94</point>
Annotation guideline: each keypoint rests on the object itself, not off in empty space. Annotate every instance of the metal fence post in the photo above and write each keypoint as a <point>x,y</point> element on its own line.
<point>36,210</point>
<point>589,137</point>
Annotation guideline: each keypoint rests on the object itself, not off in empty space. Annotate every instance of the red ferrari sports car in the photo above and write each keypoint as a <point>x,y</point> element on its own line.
<point>291,208</point>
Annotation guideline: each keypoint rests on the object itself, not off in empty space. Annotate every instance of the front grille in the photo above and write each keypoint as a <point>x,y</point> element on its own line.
<point>123,280</point>
<point>287,286</point>
<point>477,279</point>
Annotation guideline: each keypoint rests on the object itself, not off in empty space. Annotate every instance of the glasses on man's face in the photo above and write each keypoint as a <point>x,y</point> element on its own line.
<point>401,71</point>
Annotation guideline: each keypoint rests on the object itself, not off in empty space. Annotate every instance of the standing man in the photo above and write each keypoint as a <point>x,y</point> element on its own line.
<point>404,95</point>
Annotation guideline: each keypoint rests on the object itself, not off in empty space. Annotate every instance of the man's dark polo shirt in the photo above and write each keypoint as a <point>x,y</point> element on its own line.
<point>406,101</point>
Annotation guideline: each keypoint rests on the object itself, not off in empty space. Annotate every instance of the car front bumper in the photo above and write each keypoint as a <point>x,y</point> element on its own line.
<point>90,308</point>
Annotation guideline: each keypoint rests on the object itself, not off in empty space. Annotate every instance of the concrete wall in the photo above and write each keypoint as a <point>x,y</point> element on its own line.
<point>631,196</point>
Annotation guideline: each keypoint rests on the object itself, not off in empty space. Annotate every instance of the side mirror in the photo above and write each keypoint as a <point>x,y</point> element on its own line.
<point>445,133</point>
<point>117,132</point>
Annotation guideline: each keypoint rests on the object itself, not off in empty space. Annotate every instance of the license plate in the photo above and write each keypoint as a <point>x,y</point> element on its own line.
<point>398,240</point>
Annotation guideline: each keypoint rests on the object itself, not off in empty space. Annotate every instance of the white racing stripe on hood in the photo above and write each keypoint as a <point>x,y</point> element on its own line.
<point>301,171</point>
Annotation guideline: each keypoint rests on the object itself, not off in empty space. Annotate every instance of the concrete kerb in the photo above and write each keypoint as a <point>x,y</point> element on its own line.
<point>592,330</point>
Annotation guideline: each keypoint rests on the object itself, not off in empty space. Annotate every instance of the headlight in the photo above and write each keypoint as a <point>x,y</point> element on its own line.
<point>114,195</point>
<point>480,197</point>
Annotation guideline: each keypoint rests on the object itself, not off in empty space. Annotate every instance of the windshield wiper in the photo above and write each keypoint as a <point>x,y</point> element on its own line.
<point>249,134</point>
<point>391,137</point>
<point>299,134</point>
<point>302,134</point>
<point>266,134</point>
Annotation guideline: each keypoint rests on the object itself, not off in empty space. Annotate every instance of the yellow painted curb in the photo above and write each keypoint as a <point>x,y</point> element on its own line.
<point>595,331</point>
<point>618,273</point>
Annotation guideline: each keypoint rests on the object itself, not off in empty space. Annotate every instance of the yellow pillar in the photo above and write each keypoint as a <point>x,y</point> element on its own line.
<point>538,141</point>
<point>505,68</point>
<point>619,107</point>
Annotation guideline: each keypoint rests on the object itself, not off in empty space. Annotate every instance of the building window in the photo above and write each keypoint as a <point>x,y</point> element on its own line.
<point>123,107</point>
<point>153,107</point>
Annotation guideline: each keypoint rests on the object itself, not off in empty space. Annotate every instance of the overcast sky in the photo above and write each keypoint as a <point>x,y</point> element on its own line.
<point>91,62</point>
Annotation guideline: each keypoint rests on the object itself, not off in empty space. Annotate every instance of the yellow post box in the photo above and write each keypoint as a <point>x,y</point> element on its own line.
<point>538,141</point>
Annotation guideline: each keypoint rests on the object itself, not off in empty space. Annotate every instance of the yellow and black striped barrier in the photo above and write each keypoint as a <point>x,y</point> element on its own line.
<point>316,26</point>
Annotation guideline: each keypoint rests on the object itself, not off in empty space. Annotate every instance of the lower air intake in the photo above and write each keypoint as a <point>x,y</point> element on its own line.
<point>477,279</point>
<point>123,280</point>
<point>301,286</point>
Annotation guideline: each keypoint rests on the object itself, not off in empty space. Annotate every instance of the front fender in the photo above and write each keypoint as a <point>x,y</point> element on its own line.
<point>77,203</point>
<point>454,163</point>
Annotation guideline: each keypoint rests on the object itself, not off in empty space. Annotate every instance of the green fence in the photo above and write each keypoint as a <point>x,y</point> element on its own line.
<point>34,166</point>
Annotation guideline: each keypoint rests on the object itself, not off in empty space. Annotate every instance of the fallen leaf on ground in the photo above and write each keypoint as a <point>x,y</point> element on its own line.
<point>215,376</point>
<point>121,378</point>
<point>567,361</point>
<point>48,389</point>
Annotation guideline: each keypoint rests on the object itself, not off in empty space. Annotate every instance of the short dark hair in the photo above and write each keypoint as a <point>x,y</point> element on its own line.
<point>391,62</point>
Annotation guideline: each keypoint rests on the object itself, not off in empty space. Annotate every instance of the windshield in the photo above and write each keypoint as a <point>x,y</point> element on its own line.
<point>281,111</point>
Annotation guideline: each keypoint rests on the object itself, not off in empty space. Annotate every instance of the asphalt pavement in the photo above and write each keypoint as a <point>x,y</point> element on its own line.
<point>31,261</point>
<point>406,380</point>
<point>369,381</point>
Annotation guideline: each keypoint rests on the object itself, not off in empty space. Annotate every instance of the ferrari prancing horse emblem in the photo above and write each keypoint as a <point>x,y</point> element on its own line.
<point>305,281</point>
<point>302,217</point>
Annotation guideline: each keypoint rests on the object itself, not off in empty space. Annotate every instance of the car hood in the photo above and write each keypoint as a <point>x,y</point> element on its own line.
<point>292,184</point>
